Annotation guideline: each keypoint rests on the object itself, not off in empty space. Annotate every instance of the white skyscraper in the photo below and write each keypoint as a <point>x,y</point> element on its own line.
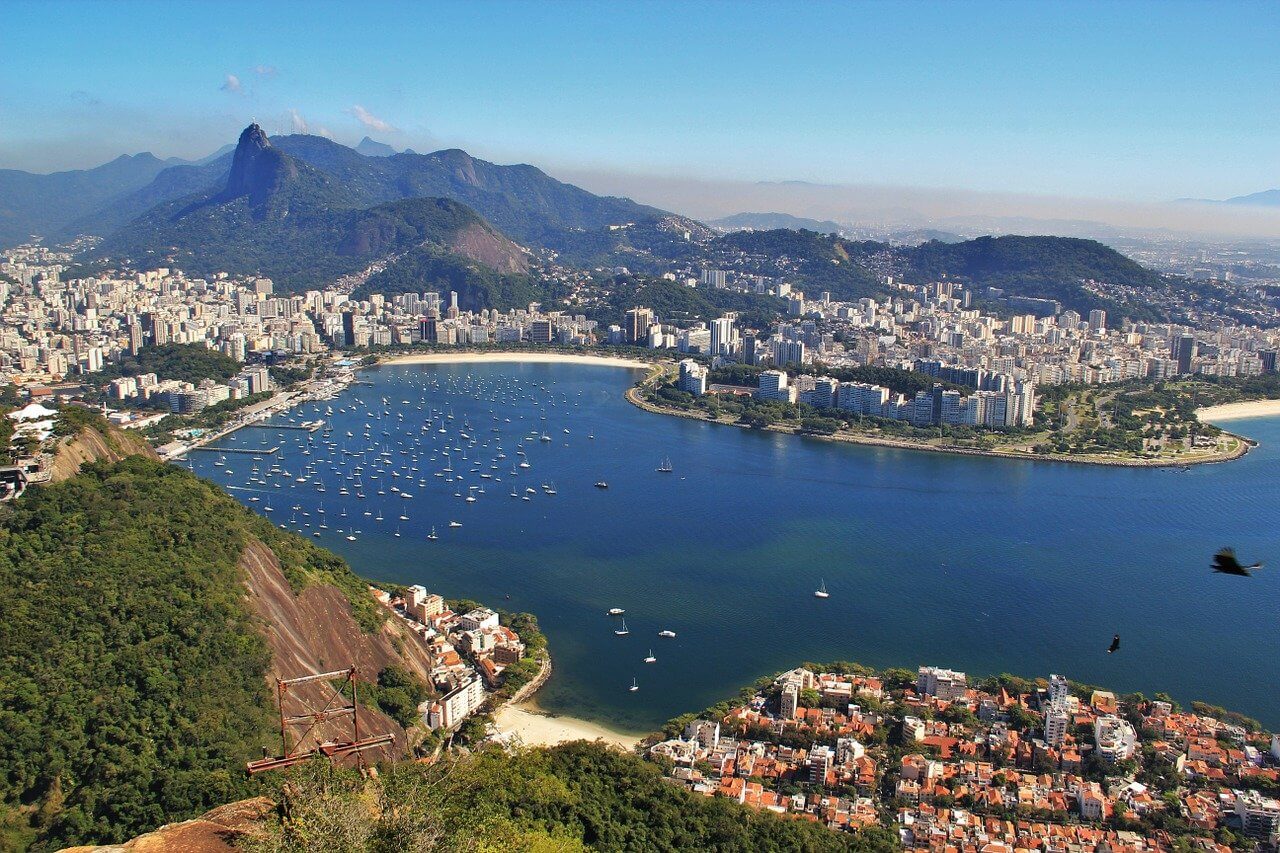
<point>722,336</point>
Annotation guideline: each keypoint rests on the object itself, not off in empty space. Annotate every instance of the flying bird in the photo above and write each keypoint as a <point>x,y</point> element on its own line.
<point>1225,562</point>
<point>1115,645</point>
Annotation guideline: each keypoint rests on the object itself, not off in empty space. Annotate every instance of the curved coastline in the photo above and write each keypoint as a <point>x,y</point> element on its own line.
<point>1224,412</point>
<point>516,356</point>
<point>1239,411</point>
<point>1242,444</point>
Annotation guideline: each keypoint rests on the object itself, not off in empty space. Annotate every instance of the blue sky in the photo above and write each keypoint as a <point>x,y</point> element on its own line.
<point>1111,100</point>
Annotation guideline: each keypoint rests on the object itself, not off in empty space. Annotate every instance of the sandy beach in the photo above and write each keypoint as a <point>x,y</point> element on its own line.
<point>514,356</point>
<point>535,727</point>
<point>1236,411</point>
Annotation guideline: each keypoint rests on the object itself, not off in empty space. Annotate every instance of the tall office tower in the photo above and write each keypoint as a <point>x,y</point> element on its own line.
<point>638,321</point>
<point>1183,351</point>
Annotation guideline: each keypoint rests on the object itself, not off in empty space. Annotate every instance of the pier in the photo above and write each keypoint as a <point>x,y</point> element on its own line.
<point>261,451</point>
<point>307,426</point>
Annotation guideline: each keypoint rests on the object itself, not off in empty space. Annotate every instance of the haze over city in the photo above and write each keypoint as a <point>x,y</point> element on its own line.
<point>1072,111</point>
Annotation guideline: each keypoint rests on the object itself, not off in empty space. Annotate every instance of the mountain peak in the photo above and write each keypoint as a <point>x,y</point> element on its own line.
<point>370,148</point>
<point>257,168</point>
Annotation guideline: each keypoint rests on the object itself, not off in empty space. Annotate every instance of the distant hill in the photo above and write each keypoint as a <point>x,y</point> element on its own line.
<point>823,261</point>
<point>302,225</point>
<point>43,204</point>
<point>770,221</point>
<point>1266,198</point>
<point>520,200</point>
<point>1042,267</point>
<point>369,148</point>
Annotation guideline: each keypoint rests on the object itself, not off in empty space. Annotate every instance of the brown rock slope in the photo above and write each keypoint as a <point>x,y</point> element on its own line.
<point>216,831</point>
<point>90,445</point>
<point>315,632</point>
<point>481,243</point>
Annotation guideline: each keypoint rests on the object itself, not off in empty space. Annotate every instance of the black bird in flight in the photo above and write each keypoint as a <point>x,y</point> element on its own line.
<point>1225,562</point>
<point>1115,645</point>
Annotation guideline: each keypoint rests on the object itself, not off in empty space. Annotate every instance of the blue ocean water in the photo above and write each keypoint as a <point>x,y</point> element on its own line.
<point>985,565</point>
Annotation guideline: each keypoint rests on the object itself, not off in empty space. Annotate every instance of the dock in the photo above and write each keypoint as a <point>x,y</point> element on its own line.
<point>261,451</point>
<point>307,426</point>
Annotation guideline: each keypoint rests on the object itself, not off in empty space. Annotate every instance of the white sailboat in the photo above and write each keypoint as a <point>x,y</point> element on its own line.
<point>634,686</point>
<point>650,658</point>
<point>821,591</point>
<point>621,630</point>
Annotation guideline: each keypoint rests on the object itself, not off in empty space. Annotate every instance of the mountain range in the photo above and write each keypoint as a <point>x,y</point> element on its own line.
<point>520,200</point>
<point>305,210</point>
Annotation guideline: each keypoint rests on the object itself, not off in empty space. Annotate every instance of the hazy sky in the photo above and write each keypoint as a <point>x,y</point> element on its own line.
<point>1120,100</point>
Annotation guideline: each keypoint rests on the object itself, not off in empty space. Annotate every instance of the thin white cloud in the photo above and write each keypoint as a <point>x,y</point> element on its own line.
<point>321,130</point>
<point>265,70</point>
<point>371,121</point>
<point>232,84</point>
<point>297,122</point>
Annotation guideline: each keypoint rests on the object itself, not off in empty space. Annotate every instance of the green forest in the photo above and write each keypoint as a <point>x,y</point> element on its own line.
<point>132,677</point>
<point>578,796</point>
<point>478,286</point>
<point>182,362</point>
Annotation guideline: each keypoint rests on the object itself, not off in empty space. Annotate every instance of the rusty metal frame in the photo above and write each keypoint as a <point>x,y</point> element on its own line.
<point>334,706</point>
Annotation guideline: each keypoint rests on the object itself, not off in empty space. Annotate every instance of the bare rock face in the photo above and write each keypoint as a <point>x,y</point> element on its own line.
<point>215,831</point>
<point>258,170</point>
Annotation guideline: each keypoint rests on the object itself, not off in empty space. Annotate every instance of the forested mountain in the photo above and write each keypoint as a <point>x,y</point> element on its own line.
<point>44,204</point>
<point>279,216</point>
<point>813,262</point>
<point>1042,267</point>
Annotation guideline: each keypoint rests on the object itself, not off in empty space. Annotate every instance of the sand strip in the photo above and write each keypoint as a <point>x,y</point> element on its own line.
<point>535,727</point>
<point>1236,411</point>
<point>514,356</point>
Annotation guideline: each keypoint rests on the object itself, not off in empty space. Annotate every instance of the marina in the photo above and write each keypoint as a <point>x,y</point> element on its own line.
<point>924,557</point>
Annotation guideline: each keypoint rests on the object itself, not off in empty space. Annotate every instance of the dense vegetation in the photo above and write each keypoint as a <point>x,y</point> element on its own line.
<point>132,677</point>
<point>1041,267</point>
<point>182,362</point>
<point>478,286</point>
<point>675,303</point>
<point>578,796</point>
<point>820,261</point>
<point>307,232</point>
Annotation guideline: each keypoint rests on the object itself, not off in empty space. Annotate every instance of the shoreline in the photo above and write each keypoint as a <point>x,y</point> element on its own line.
<point>533,726</point>
<point>1242,444</point>
<point>516,356</point>
<point>520,718</point>
<point>1239,411</point>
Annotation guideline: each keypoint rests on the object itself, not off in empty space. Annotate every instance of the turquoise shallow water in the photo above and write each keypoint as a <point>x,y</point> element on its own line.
<point>979,564</point>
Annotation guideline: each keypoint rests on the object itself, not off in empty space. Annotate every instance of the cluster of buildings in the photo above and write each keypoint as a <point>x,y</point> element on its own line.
<point>937,328</point>
<point>1011,403</point>
<point>954,766</point>
<point>52,329</point>
<point>432,318</point>
<point>469,653</point>
<point>186,397</point>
